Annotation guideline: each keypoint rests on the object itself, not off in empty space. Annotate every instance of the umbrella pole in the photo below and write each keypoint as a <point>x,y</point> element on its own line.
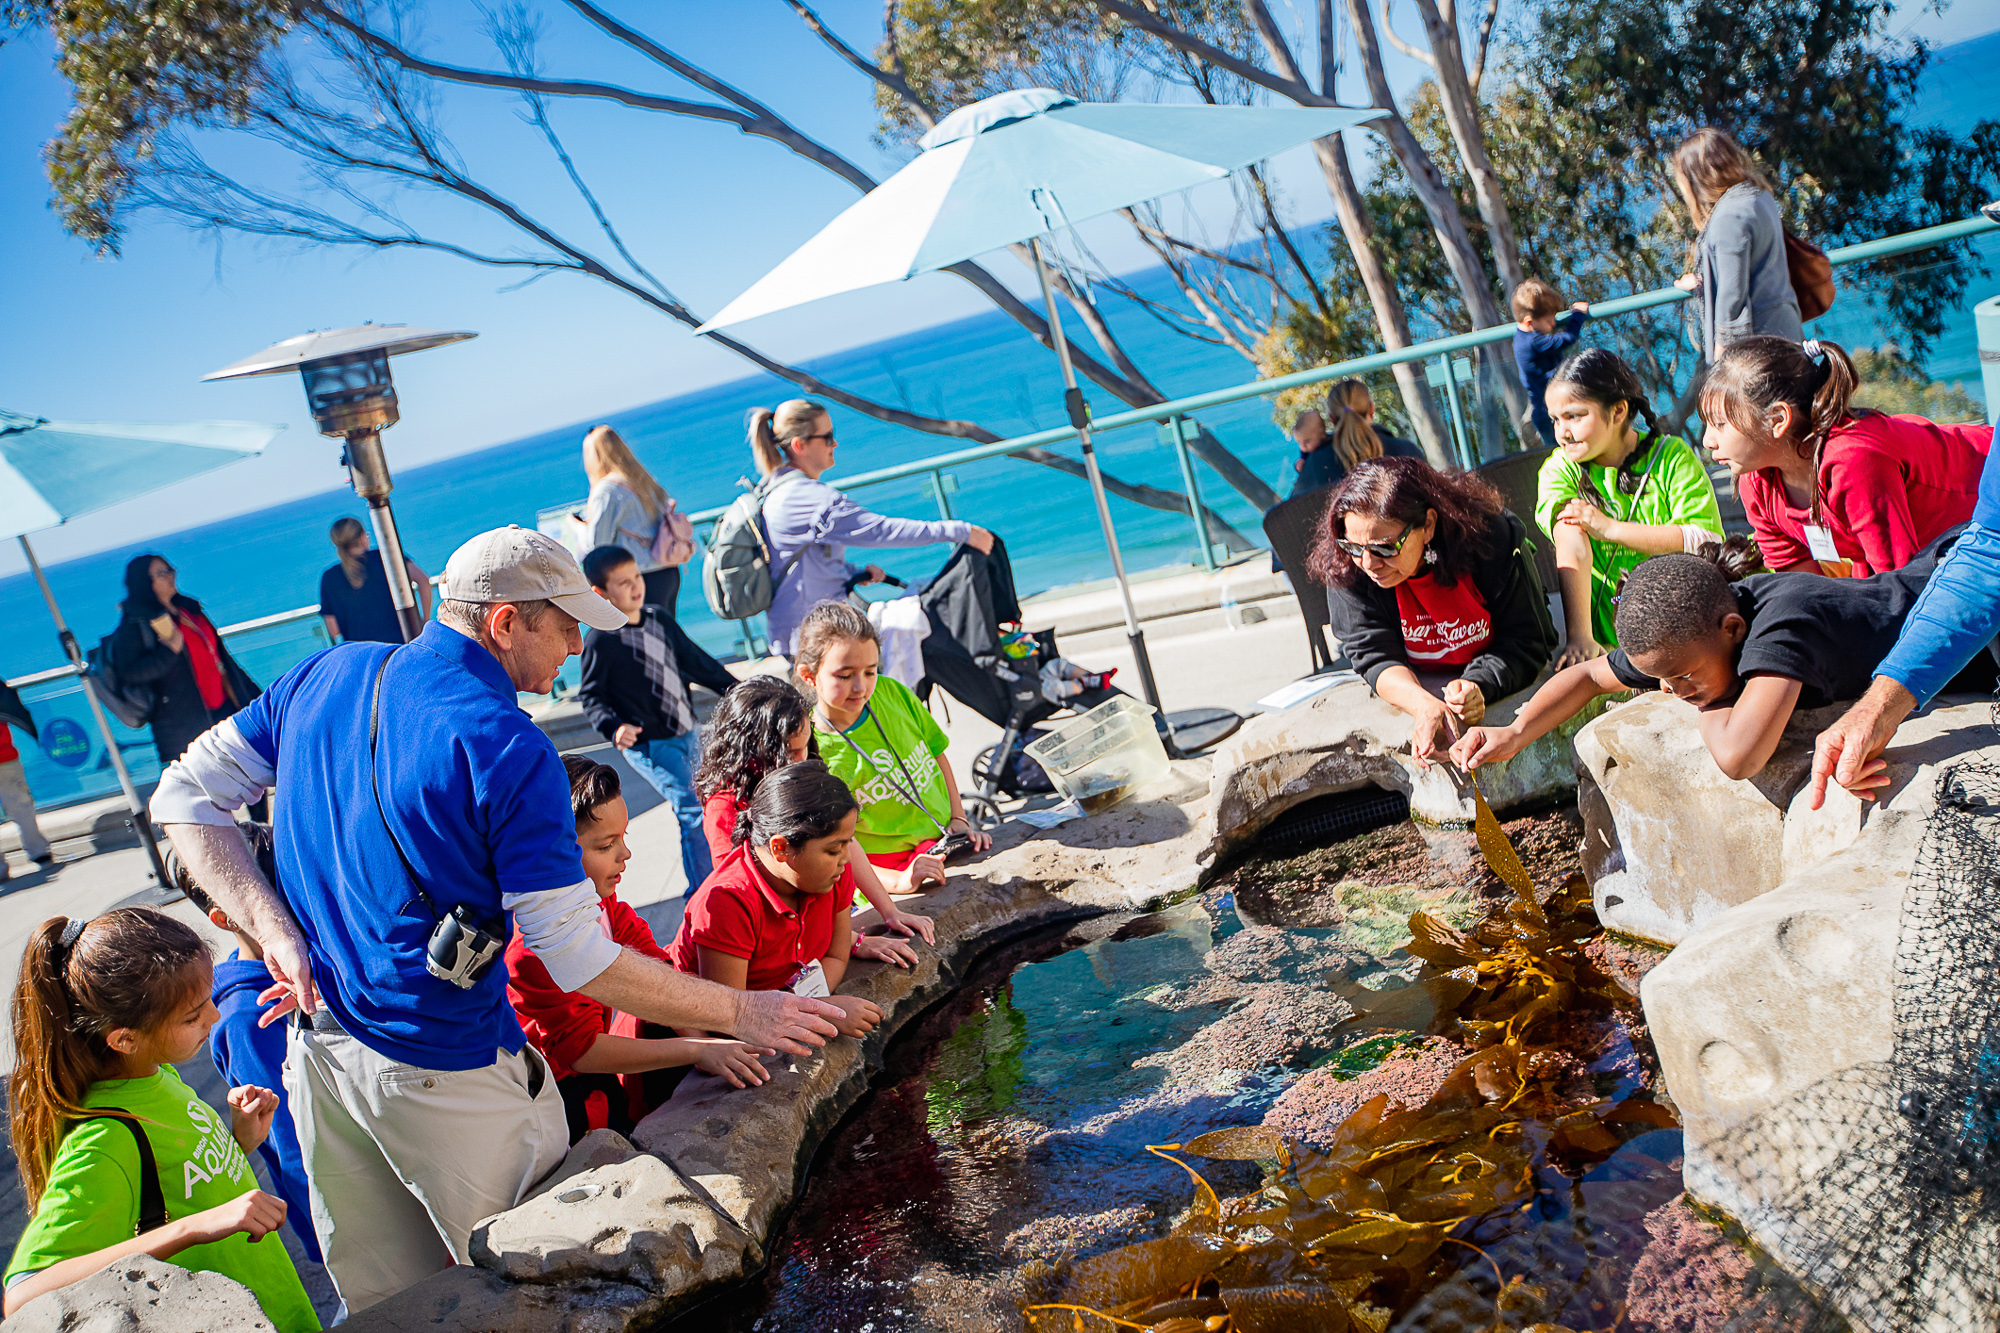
<point>1079,417</point>
<point>140,820</point>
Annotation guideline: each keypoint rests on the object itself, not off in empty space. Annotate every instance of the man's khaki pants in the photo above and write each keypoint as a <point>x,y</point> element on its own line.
<point>403,1162</point>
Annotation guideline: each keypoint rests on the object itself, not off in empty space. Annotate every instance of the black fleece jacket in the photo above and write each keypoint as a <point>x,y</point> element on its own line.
<point>1370,630</point>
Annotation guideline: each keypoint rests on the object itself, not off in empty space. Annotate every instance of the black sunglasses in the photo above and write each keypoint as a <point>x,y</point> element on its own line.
<point>1380,550</point>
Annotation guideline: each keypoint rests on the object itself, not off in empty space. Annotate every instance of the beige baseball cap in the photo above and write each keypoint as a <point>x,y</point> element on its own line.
<point>517,564</point>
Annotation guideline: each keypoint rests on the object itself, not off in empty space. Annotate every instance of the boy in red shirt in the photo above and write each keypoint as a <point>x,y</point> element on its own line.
<point>574,1032</point>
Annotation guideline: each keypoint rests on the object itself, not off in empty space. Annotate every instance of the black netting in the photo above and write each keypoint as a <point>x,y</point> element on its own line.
<point>1880,1186</point>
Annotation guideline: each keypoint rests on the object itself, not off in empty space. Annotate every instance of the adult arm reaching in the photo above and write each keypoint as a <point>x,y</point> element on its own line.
<point>1956,615</point>
<point>195,805</point>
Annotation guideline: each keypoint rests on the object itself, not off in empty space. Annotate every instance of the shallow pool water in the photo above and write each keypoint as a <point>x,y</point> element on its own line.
<point>1009,1128</point>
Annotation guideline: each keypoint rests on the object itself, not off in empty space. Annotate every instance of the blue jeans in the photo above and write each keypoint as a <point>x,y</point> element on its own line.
<point>669,767</point>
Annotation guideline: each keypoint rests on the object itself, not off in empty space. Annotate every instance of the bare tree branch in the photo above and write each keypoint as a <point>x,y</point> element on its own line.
<point>891,78</point>
<point>1214,55</point>
<point>1485,43</point>
<point>1396,40</point>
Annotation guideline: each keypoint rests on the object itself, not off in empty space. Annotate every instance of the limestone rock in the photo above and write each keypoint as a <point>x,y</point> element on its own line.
<point>1344,738</point>
<point>1669,842</point>
<point>633,1220</point>
<point>469,1299</point>
<point>145,1293</point>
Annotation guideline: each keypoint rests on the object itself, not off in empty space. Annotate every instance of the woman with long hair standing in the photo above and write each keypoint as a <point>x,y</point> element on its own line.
<point>626,508</point>
<point>165,641</point>
<point>1427,572</point>
<point>1742,282</point>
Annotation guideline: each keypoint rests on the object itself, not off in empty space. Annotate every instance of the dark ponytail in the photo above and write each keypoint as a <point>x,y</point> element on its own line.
<point>797,803</point>
<point>1815,379</point>
<point>81,980</point>
<point>1603,378</point>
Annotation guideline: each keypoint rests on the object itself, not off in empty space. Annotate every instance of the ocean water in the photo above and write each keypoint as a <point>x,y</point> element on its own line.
<point>984,369</point>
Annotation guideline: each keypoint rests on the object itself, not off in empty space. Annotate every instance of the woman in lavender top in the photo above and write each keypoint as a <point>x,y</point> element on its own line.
<point>807,519</point>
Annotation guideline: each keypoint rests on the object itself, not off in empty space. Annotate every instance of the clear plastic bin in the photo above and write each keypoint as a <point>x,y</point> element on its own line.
<point>1100,758</point>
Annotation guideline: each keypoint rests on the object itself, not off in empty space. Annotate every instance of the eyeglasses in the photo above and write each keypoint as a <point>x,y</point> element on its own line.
<point>1380,550</point>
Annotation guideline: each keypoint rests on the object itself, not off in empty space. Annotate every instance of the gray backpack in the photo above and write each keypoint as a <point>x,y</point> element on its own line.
<point>736,569</point>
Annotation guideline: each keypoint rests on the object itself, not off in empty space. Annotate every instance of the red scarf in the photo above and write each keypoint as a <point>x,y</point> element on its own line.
<point>1442,626</point>
<point>203,655</point>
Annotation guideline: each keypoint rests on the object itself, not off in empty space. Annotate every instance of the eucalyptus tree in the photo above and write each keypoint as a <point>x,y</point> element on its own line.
<point>353,102</point>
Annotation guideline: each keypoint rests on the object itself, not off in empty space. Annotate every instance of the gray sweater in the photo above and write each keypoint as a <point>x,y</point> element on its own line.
<point>1746,286</point>
<point>800,512</point>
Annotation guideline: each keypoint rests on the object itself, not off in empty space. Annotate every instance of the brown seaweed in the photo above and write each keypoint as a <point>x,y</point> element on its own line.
<point>1345,1236</point>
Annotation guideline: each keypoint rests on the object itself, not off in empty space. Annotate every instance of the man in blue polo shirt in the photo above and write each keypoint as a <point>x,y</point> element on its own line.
<point>420,808</point>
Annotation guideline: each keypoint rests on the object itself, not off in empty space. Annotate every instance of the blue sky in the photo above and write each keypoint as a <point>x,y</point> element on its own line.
<point>707,208</point>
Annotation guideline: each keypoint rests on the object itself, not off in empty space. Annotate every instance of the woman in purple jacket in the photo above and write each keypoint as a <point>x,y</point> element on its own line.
<point>794,444</point>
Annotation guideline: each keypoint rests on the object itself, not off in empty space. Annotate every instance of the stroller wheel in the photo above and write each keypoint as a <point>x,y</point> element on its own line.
<point>982,812</point>
<point>982,763</point>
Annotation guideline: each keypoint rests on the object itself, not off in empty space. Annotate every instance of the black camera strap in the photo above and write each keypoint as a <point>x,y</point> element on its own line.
<point>374,781</point>
<point>911,793</point>
<point>153,1212</point>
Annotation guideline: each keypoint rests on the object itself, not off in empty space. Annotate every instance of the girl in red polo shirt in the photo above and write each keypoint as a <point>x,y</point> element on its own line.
<point>1830,488</point>
<point>576,1033</point>
<point>761,725</point>
<point>770,918</point>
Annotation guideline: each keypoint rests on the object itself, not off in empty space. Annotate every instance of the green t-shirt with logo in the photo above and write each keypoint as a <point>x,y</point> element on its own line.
<point>92,1199</point>
<point>895,726</point>
<point>1673,489</point>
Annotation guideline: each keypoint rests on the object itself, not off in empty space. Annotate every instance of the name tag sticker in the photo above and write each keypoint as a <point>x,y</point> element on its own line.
<point>810,982</point>
<point>1820,542</point>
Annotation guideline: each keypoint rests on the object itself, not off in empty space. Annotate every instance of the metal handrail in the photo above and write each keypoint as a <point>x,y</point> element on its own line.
<point>934,464</point>
<point>1160,412</point>
<point>240,627</point>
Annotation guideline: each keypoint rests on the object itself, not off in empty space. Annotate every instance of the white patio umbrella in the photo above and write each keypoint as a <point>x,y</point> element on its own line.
<point>1019,167</point>
<point>54,471</point>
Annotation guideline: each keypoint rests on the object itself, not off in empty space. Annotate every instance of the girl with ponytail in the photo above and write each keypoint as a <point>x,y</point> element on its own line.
<point>1614,491</point>
<point>1349,438</point>
<point>1831,488</point>
<point>118,1157</point>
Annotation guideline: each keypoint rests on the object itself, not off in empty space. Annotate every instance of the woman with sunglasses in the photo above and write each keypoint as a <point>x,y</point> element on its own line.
<point>811,524</point>
<point>1433,594</point>
<point>1610,495</point>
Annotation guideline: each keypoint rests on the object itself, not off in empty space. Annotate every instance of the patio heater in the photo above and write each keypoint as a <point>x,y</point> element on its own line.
<point>348,388</point>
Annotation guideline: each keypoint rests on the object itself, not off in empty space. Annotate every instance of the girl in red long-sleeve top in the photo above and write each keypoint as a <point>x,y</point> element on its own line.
<point>576,1033</point>
<point>1831,488</point>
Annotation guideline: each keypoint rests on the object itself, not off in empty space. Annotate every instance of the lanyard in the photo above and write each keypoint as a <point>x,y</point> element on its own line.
<point>909,793</point>
<point>1653,448</point>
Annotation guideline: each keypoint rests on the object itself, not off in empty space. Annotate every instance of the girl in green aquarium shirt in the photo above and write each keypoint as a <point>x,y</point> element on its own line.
<point>1610,496</point>
<point>103,1009</point>
<point>878,738</point>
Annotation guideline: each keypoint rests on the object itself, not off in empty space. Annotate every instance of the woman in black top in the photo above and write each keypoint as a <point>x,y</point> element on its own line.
<point>1346,435</point>
<point>165,642</point>
<point>1428,572</point>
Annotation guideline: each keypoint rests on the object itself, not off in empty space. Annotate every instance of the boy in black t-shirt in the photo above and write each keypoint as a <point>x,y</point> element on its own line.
<point>1745,655</point>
